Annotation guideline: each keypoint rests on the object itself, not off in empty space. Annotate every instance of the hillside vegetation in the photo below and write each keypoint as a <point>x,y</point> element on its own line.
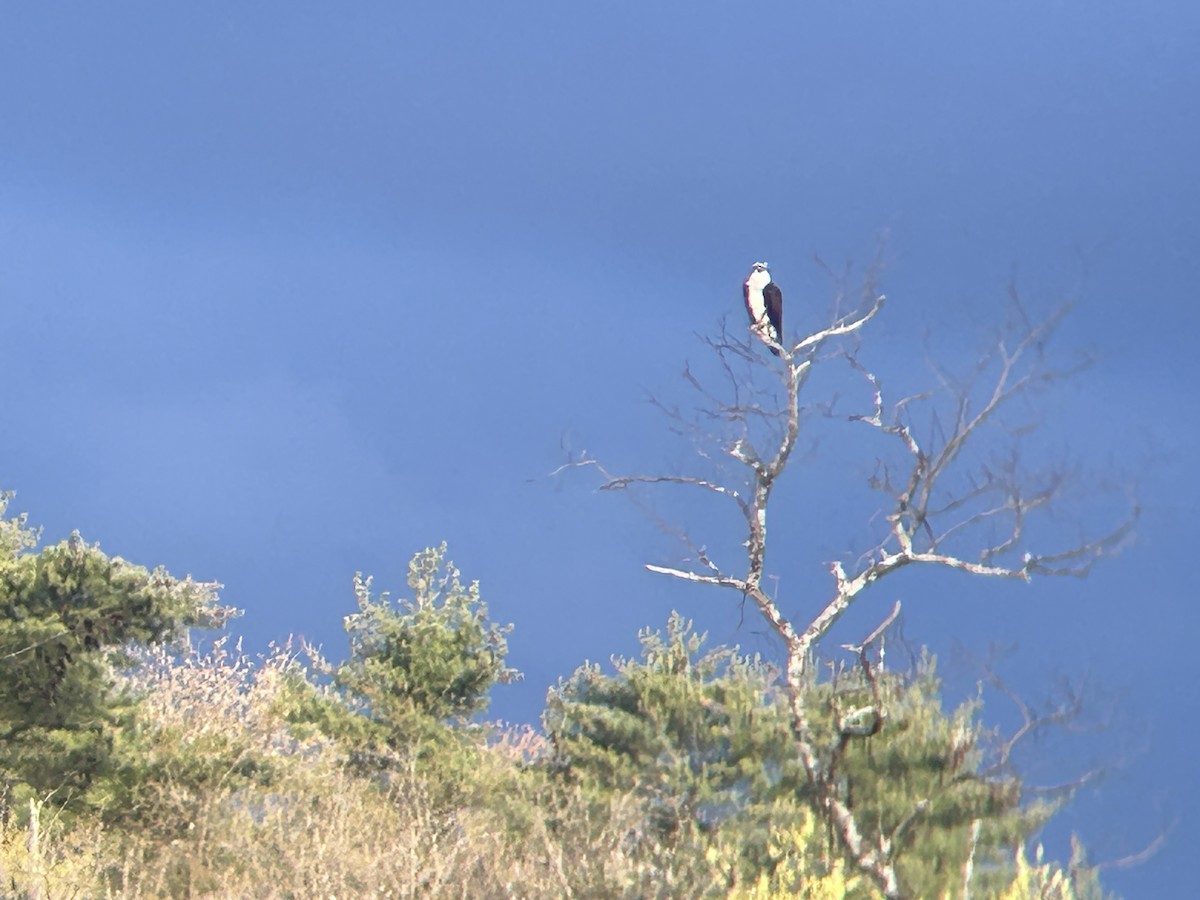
<point>134,766</point>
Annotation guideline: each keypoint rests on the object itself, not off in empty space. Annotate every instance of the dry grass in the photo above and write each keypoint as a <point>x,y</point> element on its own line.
<point>273,815</point>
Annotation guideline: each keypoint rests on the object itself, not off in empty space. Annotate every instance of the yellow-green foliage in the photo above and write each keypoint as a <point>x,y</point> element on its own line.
<point>1038,880</point>
<point>802,869</point>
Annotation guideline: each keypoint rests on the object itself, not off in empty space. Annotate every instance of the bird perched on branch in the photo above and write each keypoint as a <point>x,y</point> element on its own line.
<point>764,303</point>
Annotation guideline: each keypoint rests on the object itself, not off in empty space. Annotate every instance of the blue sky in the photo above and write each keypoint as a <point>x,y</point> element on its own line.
<point>294,290</point>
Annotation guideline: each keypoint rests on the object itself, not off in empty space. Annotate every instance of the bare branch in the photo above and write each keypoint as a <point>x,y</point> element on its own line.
<point>917,811</point>
<point>1136,859</point>
<point>700,579</point>
<point>969,863</point>
<point>1031,722</point>
<point>845,325</point>
<point>624,481</point>
<point>875,635</point>
<point>927,495</point>
<point>36,644</point>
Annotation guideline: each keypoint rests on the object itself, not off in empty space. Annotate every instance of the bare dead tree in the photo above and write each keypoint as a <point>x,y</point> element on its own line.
<point>944,504</point>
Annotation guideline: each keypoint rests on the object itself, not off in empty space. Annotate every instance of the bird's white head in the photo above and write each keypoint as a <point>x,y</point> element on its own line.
<point>759,276</point>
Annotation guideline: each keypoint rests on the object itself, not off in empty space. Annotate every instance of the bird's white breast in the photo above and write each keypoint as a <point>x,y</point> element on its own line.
<point>754,294</point>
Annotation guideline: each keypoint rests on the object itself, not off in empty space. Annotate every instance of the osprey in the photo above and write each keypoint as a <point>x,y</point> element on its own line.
<point>764,303</point>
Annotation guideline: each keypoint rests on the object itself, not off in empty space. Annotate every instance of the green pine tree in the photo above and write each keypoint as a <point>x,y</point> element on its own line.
<point>435,656</point>
<point>703,741</point>
<point>69,614</point>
